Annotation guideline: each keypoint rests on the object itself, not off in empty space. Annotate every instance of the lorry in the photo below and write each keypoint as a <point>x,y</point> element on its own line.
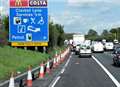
<point>78,39</point>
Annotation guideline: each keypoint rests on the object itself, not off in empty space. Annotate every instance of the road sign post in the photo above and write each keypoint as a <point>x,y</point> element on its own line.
<point>28,21</point>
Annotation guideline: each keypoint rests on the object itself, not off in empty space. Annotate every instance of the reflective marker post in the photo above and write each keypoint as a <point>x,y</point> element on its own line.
<point>44,49</point>
<point>25,48</point>
<point>36,48</point>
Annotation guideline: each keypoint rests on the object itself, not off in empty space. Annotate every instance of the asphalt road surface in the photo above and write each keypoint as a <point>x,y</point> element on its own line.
<point>97,71</point>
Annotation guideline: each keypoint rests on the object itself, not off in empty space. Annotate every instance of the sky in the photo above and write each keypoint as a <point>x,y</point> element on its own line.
<point>78,16</point>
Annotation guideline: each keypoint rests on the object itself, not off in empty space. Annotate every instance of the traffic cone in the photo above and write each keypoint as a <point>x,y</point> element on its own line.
<point>54,63</point>
<point>29,78</point>
<point>63,56</point>
<point>11,82</point>
<point>48,67</point>
<point>41,73</point>
<point>57,61</point>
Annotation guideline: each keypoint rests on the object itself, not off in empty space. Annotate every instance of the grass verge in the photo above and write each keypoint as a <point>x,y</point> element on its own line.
<point>17,60</point>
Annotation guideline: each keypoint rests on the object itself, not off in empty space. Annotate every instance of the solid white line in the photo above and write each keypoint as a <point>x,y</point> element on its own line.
<point>62,71</point>
<point>57,79</point>
<point>67,62</point>
<point>107,72</point>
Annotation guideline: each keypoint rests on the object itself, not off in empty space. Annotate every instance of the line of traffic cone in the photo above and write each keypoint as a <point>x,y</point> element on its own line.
<point>41,73</point>
<point>29,77</point>
<point>11,82</point>
<point>56,61</point>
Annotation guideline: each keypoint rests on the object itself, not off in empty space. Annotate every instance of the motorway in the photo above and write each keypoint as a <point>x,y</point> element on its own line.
<point>97,71</point>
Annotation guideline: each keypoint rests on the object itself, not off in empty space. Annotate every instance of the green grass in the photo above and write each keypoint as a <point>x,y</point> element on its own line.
<point>13,59</point>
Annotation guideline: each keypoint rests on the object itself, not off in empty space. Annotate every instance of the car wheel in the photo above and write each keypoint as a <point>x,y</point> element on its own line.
<point>79,56</point>
<point>90,56</point>
<point>114,63</point>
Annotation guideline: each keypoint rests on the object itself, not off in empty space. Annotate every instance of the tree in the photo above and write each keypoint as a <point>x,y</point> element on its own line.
<point>4,32</point>
<point>61,36</point>
<point>104,33</point>
<point>92,32</point>
<point>113,30</point>
<point>92,35</point>
<point>56,35</point>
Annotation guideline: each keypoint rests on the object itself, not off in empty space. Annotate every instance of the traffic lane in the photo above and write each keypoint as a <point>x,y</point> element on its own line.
<point>46,81</point>
<point>84,72</point>
<point>107,61</point>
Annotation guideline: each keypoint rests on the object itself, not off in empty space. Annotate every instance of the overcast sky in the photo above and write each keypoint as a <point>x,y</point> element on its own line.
<point>81,15</point>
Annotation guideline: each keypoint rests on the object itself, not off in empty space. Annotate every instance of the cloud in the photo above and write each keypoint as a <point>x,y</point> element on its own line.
<point>91,2</point>
<point>4,7</point>
<point>101,26</point>
<point>68,18</point>
<point>1,8</point>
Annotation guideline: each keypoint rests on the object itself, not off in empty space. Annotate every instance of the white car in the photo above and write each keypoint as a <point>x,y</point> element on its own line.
<point>116,41</point>
<point>85,51</point>
<point>98,47</point>
<point>109,46</point>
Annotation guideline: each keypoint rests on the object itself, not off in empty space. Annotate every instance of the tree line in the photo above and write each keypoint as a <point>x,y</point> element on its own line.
<point>109,35</point>
<point>92,34</point>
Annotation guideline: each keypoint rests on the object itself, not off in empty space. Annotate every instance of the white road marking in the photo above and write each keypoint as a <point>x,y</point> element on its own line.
<point>107,72</point>
<point>62,71</point>
<point>56,80</point>
<point>67,62</point>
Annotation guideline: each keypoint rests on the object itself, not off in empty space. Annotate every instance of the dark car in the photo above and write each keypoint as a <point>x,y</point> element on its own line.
<point>116,58</point>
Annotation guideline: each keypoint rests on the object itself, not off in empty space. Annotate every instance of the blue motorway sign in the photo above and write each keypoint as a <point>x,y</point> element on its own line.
<point>28,24</point>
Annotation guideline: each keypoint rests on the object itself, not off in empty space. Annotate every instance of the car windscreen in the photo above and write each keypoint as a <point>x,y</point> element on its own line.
<point>85,47</point>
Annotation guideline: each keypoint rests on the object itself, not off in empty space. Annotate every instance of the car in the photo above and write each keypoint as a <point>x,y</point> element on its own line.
<point>85,51</point>
<point>109,46</point>
<point>98,47</point>
<point>77,49</point>
<point>116,41</point>
<point>116,57</point>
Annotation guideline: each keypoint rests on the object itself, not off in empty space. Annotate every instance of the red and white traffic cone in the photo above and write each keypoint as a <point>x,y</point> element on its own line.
<point>54,63</point>
<point>41,73</point>
<point>62,56</point>
<point>48,67</point>
<point>29,78</point>
<point>57,61</point>
<point>11,82</point>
